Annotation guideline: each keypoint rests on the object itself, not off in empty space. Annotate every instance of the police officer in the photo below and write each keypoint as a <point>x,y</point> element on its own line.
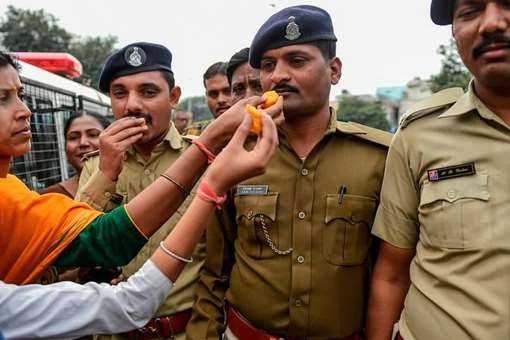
<point>140,82</point>
<point>244,80</point>
<point>442,270</point>
<point>289,254</point>
<point>217,93</point>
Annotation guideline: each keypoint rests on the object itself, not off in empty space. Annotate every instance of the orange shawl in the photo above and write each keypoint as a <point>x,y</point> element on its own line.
<point>35,229</point>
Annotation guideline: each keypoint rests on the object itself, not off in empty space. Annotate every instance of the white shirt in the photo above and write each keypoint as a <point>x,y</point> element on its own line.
<point>66,310</point>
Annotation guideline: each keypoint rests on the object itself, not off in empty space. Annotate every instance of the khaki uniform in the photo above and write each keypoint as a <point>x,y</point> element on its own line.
<point>196,129</point>
<point>446,193</point>
<point>137,174</point>
<point>319,290</point>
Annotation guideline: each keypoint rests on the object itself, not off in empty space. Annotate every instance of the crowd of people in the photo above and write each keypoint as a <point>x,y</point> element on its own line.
<point>315,229</point>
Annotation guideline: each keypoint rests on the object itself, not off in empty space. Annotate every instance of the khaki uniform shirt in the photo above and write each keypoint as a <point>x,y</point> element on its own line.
<point>196,129</point>
<point>137,174</point>
<point>446,193</point>
<point>319,289</point>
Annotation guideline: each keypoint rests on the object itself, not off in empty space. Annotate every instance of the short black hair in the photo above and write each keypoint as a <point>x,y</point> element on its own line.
<point>6,60</point>
<point>219,67</point>
<point>327,48</point>
<point>239,58</point>
<point>101,119</point>
<point>169,77</point>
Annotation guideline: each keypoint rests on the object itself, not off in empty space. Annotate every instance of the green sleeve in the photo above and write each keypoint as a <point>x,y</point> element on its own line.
<point>110,240</point>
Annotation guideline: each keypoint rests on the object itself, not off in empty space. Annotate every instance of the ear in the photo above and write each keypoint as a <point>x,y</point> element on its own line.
<point>335,65</point>
<point>175,94</point>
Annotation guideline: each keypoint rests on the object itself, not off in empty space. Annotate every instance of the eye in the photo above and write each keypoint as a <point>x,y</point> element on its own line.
<point>118,93</point>
<point>298,61</point>
<point>238,90</point>
<point>149,93</point>
<point>213,94</point>
<point>267,65</point>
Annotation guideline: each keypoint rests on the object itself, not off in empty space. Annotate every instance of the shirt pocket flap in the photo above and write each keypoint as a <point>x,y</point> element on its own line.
<point>253,205</point>
<point>452,190</point>
<point>353,208</point>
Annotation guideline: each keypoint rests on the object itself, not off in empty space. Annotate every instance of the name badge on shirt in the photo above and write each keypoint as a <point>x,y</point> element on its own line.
<point>252,190</point>
<point>460,170</point>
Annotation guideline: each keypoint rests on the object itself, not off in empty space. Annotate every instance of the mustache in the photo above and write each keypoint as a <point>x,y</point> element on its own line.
<point>139,114</point>
<point>284,88</point>
<point>489,39</point>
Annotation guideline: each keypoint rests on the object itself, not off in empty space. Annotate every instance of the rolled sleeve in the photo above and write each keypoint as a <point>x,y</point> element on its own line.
<point>97,190</point>
<point>396,221</point>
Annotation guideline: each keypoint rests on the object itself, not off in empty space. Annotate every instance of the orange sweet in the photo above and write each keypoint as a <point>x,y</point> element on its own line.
<point>256,122</point>
<point>271,97</point>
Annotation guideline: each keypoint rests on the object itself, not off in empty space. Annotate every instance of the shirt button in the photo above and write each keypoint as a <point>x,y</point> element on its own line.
<point>301,215</point>
<point>304,172</point>
<point>300,259</point>
<point>298,303</point>
<point>452,193</point>
<point>147,172</point>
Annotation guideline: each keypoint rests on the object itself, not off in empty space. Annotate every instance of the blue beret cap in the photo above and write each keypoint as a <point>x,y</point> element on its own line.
<point>441,11</point>
<point>291,26</point>
<point>135,58</point>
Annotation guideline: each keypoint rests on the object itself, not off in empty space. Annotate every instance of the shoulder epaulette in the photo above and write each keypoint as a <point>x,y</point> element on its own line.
<point>189,138</point>
<point>89,155</point>
<point>431,104</point>
<point>365,132</point>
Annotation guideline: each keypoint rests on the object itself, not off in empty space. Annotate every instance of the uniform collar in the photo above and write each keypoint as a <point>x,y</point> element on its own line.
<point>470,102</point>
<point>172,138</point>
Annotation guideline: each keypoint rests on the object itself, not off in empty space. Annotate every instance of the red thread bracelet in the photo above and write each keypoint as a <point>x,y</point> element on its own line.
<point>210,156</point>
<point>207,194</point>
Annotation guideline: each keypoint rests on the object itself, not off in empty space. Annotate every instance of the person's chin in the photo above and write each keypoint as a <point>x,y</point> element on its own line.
<point>21,149</point>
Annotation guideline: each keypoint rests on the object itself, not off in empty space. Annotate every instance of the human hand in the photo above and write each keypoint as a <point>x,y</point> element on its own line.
<point>114,142</point>
<point>220,131</point>
<point>235,164</point>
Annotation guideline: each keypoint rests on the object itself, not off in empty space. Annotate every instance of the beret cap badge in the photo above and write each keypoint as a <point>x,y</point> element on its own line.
<point>292,29</point>
<point>135,56</point>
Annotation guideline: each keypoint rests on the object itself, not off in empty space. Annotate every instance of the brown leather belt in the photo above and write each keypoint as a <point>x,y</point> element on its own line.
<point>161,327</point>
<point>243,330</point>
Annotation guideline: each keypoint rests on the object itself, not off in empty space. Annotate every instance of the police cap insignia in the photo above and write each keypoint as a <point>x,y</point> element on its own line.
<point>135,56</point>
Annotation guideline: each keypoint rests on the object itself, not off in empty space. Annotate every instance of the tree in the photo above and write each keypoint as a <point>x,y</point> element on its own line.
<point>25,30</point>
<point>92,53</point>
<point>370,113</point>
<point>197,105</point>
<point>453,72</point>
<point>33,31</point>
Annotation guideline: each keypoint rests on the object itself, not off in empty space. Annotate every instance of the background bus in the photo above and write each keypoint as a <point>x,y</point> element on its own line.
<point>52,99</point>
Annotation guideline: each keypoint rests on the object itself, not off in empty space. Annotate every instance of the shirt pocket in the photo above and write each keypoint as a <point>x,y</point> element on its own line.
<point>252,211</point>
<point>454,213</point>
<point>346,234</point>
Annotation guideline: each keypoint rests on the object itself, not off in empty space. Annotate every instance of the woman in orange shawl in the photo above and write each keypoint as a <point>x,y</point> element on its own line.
<point>35,231</point>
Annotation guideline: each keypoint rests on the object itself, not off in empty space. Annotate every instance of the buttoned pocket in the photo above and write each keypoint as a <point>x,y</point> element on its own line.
<point>253,212</point>
<point>346,233</point>
<point>454,212</point>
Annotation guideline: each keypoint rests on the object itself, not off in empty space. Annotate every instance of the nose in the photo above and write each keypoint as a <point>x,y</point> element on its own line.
<point>84,140</point>
<point>133,103</point>
<point>280,74</point>
<point>223,98</point>
<point>22,110</point>
<point>495,18</point>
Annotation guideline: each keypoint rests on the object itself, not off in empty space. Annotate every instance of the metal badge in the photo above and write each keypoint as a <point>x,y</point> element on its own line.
<point>467,169</point>
<point>292,29</point>
<point>135,56</point>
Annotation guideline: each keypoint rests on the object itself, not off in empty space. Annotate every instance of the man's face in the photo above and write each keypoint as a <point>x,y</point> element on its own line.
<point>182,120</point>
<point>145,94</point>
<point>14,115</point>
<point>217,92</point>
<point>245,83</point>
<point>300,74</point>
<point>482,31</point>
